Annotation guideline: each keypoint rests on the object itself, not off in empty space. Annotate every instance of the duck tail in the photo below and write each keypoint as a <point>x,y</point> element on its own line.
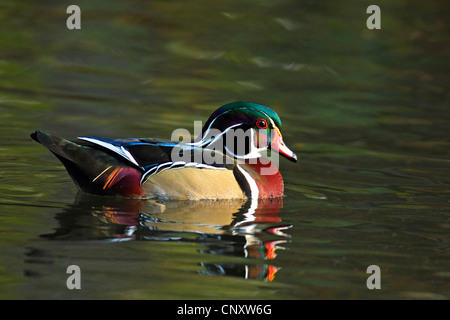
<point>92,169</point>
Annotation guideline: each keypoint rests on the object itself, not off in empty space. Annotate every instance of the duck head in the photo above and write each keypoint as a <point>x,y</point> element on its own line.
<point>245,130</point>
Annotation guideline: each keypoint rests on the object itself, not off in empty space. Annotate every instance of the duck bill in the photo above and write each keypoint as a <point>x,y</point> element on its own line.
<point>279,146</point>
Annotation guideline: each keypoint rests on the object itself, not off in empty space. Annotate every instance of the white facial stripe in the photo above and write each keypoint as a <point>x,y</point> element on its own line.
<point>255,152</point>
<point>221,134</point>
<point>203,142</point>
<point>209,127</point>
<point>271,121</point>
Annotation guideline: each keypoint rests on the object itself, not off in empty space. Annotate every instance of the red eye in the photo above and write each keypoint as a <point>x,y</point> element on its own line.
<point>261,124</point>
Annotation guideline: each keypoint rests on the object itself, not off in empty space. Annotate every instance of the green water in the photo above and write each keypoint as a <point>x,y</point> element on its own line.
<point>367,111</point>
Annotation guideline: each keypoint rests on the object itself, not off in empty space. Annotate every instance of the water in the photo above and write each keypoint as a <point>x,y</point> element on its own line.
<point>365,110</point>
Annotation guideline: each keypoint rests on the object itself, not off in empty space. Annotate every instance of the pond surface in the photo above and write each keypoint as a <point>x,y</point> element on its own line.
<point>366,111</point>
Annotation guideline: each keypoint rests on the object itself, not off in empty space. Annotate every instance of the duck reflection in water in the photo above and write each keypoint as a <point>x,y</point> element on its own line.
<point>236,228</point>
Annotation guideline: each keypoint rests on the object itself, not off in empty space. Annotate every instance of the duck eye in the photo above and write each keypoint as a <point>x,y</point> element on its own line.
<point>261,124</point>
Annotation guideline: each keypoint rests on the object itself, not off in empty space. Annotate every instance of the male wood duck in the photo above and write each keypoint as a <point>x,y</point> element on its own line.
<point>213,166</point>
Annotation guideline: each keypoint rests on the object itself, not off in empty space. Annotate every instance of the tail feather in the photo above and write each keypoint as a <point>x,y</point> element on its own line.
<point>60,147</point>
<point>93,170</point>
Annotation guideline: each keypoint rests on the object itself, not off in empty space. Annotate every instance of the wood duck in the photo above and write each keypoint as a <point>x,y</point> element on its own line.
<point>225,162</point>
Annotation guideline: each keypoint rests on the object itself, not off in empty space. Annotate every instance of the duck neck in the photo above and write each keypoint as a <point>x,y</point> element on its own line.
<point>262,174</point>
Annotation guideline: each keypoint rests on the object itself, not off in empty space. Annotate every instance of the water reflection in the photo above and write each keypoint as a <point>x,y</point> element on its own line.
<point>234,228</point>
